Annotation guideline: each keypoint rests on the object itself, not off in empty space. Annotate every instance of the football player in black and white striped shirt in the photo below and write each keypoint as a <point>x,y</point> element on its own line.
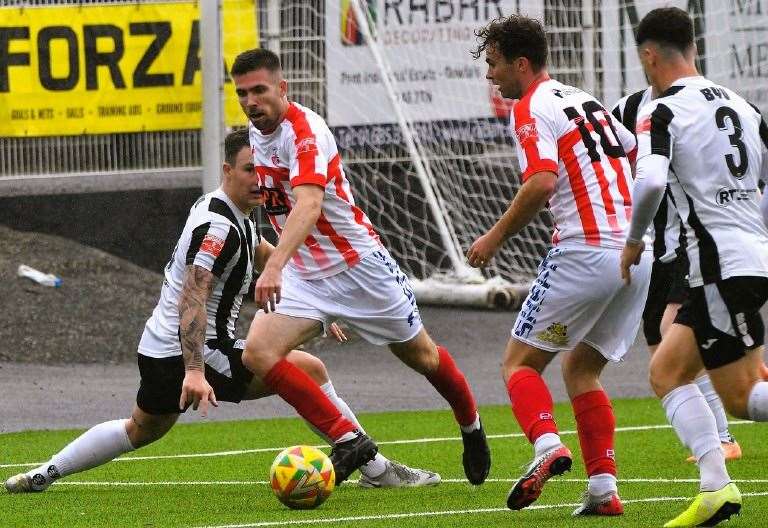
<point>709,145</point>
<point>669,278</point>
<point>188,354</point>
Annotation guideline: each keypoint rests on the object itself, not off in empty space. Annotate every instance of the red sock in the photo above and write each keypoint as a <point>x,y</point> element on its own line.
<point>294,386</point>
<point>596,425</point>
<point>452,385</point>
<point>531,403</point>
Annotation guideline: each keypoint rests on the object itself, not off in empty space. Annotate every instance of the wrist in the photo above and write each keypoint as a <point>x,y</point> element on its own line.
<point>632,242</point>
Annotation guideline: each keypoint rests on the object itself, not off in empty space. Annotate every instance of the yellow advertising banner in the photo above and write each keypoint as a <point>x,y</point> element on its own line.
<point>111,68</point>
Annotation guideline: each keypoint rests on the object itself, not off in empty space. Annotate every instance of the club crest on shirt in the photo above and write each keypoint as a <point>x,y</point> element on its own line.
<point>644,125</point>
<point>212,245</point>
<point>308,144</point>
<point>556,333</point>
<point>274,158</point>
<point>526,133</point>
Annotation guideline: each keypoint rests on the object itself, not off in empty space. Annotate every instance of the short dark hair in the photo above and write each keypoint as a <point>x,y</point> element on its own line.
<point>255,59</point>
<point>515,36</point>
<point>234,143</point>
<point>667,26</point>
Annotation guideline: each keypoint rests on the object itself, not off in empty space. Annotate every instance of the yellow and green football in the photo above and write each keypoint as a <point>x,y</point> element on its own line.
<point>302,477</point>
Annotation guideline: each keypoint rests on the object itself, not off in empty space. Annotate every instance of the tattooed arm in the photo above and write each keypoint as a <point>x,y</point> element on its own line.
<point>197,287</point>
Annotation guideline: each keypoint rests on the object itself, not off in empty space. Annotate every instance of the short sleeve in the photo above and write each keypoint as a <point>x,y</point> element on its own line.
<point>212,246</point>
<point>308,161</point>
<point>653,131</point>
<point>535,139</point>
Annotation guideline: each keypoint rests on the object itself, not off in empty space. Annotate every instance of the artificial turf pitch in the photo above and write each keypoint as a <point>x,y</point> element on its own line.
<point>227,486</point>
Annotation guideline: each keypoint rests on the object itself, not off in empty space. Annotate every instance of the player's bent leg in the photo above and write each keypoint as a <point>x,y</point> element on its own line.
<point>144,428</point>
<point>437,365</point>
<point>98,445</point>
<point>596,425</point>
<point>731,448</point>
<point>673,368</point>
<point>533,408</point>
<point>740,385</point>
<point>379,472</point>
<point>676,362</point>
<point>271,337</point>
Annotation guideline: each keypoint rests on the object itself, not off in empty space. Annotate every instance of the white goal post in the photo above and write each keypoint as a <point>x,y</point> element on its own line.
<point>423,137</point>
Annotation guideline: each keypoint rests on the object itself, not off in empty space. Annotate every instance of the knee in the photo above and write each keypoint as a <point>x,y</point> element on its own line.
<point>257,359</point>
<point>420,354</point>
<point>143,431</point>
<point>310,364</point>
<point>736,403</point>
<point>664,378</point>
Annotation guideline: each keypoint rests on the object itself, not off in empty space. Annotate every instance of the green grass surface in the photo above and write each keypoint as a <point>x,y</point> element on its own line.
<point>231,489</point>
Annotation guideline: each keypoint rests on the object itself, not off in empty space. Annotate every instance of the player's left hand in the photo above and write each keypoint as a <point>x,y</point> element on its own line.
<point>483,250</point>
<point>630,256</point>
<point>268,286</point>
<point>337,332</point>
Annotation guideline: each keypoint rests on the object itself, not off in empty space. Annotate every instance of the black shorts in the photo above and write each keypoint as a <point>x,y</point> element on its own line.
<point>725,317</point>
<point>669,285</point>
<point>161,379</point>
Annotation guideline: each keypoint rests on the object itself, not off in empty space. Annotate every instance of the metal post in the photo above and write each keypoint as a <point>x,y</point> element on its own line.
<point>272,33</point>
<point>212,135</point>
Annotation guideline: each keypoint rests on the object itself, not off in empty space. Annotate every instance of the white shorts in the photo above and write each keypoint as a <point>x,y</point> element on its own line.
<point>579,296</point>
<point>374,297</point>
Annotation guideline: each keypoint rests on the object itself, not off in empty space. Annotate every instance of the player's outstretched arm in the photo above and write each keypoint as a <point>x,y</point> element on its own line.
<point>298,225</point>
<point>529,200</point>
<point>197,287</point>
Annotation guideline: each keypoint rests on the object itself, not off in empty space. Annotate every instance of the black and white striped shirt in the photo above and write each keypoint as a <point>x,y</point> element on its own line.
<point>709,145</point>
<point>220,238</point>
<point>665,230</point>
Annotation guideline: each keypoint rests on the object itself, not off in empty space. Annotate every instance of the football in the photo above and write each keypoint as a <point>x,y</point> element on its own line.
<point>302,477</point>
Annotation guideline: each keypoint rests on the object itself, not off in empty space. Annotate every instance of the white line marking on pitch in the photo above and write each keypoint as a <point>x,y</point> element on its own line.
<point>444,481</point>
<point>382,443</point>
<point>448,512</point>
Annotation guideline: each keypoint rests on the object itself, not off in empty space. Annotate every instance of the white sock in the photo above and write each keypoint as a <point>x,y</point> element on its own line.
<point>98,445</point>
<point>716,405</point>
<point>712,469</point>
<point>375,467</point>
<point>546,442</point>
<point>757,407</point>
<point>474,426</point>
<point>602,484</point>
<point>692,419</point>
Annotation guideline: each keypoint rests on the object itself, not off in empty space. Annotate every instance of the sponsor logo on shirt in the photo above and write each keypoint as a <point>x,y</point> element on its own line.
<point>725,197</point>
<point>527,133</point>
<point>212,245</point>
<point>306,145</point>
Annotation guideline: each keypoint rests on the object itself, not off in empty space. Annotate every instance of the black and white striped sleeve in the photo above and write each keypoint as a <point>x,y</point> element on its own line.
<point>212,246</point>
<point>653,159</point>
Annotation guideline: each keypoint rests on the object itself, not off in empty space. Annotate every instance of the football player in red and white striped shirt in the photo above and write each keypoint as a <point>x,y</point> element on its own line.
<point>573,157</point>
<point>329,264</point>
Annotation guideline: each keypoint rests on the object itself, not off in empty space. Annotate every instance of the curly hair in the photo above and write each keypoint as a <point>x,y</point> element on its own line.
<point>667,26</point>
<point>515,36</point>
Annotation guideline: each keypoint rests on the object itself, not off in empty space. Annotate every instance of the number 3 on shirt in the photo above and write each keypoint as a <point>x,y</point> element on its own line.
<point>610,146</point>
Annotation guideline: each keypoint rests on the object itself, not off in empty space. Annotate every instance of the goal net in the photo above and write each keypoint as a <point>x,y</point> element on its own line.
<point>423,135</point>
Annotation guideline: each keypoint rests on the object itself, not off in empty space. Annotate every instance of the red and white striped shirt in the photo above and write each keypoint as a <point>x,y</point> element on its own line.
<point>302,151</point>
<point>562,129</point>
